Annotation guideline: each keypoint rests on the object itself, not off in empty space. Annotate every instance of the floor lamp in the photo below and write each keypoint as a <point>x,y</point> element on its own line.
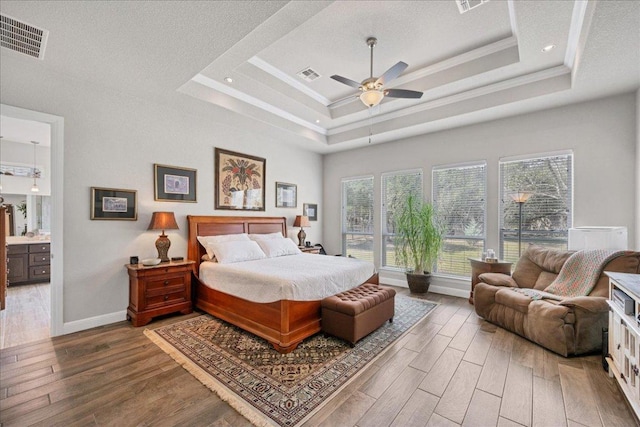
<point>520,198</point>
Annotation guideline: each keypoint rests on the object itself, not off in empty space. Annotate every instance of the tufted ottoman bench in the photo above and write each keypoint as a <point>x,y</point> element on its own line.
<point>354,314</point>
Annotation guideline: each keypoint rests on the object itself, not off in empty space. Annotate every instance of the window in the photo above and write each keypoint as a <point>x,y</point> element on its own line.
<point>357,218</point>
<point>547,214</point>
<point>459,198</point>
<point>396,187</point>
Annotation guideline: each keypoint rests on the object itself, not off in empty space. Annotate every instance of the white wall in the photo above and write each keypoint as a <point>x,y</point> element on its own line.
<point>113,140</point>
<point>638,170</point>
<point>601,133</point>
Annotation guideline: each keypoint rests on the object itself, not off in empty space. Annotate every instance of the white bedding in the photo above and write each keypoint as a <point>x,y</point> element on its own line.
<point>301,277</point>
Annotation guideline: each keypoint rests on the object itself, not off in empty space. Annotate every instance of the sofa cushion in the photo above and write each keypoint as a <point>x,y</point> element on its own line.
<point>534,261</point>
<point>514,300</point>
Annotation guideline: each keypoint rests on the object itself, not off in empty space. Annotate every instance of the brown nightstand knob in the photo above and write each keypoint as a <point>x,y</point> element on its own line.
<point>166,282</point>
<point>166,297</point>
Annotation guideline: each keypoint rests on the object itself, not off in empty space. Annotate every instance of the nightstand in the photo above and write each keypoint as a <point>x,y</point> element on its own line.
<point>160,289</point>
<point>309,249</point>
<point>479,266</point>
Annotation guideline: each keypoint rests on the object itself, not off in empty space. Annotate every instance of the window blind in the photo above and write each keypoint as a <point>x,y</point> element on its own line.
<point>459,198</point>
<point>547,214</point>
<point>357,218</point>
<point>396,187</point>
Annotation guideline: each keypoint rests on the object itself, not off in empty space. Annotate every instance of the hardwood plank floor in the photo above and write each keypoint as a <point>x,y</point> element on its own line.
<point>27,315</point>
<point>481,376</point>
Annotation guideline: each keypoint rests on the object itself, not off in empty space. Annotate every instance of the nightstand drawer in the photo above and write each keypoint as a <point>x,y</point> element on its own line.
<point>40,259</point>
<point>169,296</point>
<point>165,282</point>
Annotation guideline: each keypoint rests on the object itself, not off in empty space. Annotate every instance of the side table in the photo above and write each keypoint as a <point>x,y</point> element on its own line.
<point>160,289</point>
<point>478,266</point>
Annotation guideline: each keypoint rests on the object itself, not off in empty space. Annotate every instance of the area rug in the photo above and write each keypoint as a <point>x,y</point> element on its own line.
<point>273,389</point>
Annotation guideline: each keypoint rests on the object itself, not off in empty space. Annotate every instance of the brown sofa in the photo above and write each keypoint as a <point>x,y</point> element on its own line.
<point>568,327</point>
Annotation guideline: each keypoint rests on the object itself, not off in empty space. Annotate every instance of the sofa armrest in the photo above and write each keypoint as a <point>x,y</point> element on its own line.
<point>498,279</point>
<point>591,304</point>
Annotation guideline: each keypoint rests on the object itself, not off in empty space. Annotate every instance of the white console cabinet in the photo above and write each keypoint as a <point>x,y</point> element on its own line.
<point>624,335</point>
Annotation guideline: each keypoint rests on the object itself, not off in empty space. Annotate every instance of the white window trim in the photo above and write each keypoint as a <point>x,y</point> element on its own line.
<point>343,210</point>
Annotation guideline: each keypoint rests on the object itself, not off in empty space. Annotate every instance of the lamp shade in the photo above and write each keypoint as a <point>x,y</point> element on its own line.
<point>301,221</point>
<point>520,196</point>
<point>163,221</point>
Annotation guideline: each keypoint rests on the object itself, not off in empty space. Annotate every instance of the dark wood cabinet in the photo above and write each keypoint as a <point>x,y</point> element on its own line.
<point>158,290</point>
<point>28,263</point>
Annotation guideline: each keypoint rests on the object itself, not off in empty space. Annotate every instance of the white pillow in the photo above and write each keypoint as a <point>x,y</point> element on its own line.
<point>268,236</point>
<point>236,251</point>
<point>206,240</point>
<point>278,247</point>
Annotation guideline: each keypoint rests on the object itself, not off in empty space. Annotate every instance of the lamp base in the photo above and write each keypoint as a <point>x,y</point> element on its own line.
<point>301,237</point>
<point>162,245</point>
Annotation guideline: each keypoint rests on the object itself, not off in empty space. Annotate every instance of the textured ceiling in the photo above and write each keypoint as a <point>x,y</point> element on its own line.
<point>481,65</point>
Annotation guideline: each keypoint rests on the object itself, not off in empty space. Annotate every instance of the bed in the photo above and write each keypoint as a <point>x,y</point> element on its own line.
<point>284,323</point>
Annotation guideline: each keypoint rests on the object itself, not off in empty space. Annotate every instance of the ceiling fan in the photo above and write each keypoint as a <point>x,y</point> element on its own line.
<point>372,89</point>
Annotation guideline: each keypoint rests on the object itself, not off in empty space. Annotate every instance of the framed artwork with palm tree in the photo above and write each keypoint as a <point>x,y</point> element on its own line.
<point>239,181</point>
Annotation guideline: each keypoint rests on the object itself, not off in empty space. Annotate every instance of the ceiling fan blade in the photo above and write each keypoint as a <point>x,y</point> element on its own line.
<point>392,73</point>
<point>402,93</point>
<point>346,81</point>
<point>343,101</point>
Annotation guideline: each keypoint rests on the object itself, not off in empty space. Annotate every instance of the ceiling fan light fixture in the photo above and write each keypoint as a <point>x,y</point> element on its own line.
<point>371,98</point>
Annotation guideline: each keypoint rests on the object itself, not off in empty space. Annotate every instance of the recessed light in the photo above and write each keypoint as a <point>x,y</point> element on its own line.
<point>228,79</point>
<point>318,121</point>
<point>548,47</point>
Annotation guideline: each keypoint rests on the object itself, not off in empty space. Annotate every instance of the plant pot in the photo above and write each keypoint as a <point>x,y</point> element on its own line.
<point>419,283</point>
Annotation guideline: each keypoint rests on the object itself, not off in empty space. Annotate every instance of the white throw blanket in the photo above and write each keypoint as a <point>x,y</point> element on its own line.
<point>301,277</point>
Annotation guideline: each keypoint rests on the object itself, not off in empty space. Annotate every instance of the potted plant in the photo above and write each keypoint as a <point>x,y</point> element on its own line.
<point>418,241</point>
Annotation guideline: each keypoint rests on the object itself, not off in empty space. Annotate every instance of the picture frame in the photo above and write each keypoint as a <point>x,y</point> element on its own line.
<point>174,184</point>
<point>310,210</point>
<point>286,195</point>
<point>239,181</point>
<point>114,204</point>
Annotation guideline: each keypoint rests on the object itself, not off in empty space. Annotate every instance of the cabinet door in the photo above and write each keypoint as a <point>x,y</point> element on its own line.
<point>615,349</point>
<point>18,268</point>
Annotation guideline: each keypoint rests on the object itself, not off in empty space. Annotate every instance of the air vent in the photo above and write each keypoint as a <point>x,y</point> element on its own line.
<point>22,37</point>
<point>467,5</point>
<point>308,74</point>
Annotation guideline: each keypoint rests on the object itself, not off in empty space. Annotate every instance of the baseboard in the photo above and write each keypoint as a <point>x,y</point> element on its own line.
<point>93,322</point>
<point>439,285</point>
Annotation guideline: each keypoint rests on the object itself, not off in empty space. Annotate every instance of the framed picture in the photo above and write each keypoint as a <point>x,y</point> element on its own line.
<point>310,210</point>
<point>239,181</point>
<point>114,203</point>
<point>174,184</point>
<point>286,195</point>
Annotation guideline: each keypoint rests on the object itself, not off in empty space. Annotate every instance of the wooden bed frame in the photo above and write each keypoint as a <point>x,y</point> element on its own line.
<point>283,323</point>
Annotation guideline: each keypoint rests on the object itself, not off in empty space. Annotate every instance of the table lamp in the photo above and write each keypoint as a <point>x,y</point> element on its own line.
<point>301,221</point>
<point>163,221</point>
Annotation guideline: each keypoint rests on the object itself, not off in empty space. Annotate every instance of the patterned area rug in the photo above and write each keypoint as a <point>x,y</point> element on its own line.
<point>270,388</point>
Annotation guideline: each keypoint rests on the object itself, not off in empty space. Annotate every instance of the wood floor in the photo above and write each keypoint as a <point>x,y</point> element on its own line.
<point>452,369</point>
<point>27,315</point>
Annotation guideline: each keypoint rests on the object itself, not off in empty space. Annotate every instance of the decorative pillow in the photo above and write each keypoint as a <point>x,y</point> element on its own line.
<point>236,251</point>
<point>268,236</point>
<point>278,247</point>
<point>206,257</point>
<point>206,240</point>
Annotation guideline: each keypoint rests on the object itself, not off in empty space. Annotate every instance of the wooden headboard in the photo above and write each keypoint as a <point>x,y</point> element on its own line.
<point>217,225</point>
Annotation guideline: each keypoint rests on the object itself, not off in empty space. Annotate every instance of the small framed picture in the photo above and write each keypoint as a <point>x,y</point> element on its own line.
<point>286,195</point>
<point>174,184</point>
<point>310,210</point>
<point>114,203</point>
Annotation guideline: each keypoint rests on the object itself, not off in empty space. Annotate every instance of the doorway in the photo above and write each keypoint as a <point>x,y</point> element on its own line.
<point>50,210</point>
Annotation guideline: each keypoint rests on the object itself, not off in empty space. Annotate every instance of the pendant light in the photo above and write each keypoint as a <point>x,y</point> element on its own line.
<point>34,187</point>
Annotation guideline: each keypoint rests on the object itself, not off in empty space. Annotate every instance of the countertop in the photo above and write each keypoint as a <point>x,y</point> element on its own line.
<point>24,240</point>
